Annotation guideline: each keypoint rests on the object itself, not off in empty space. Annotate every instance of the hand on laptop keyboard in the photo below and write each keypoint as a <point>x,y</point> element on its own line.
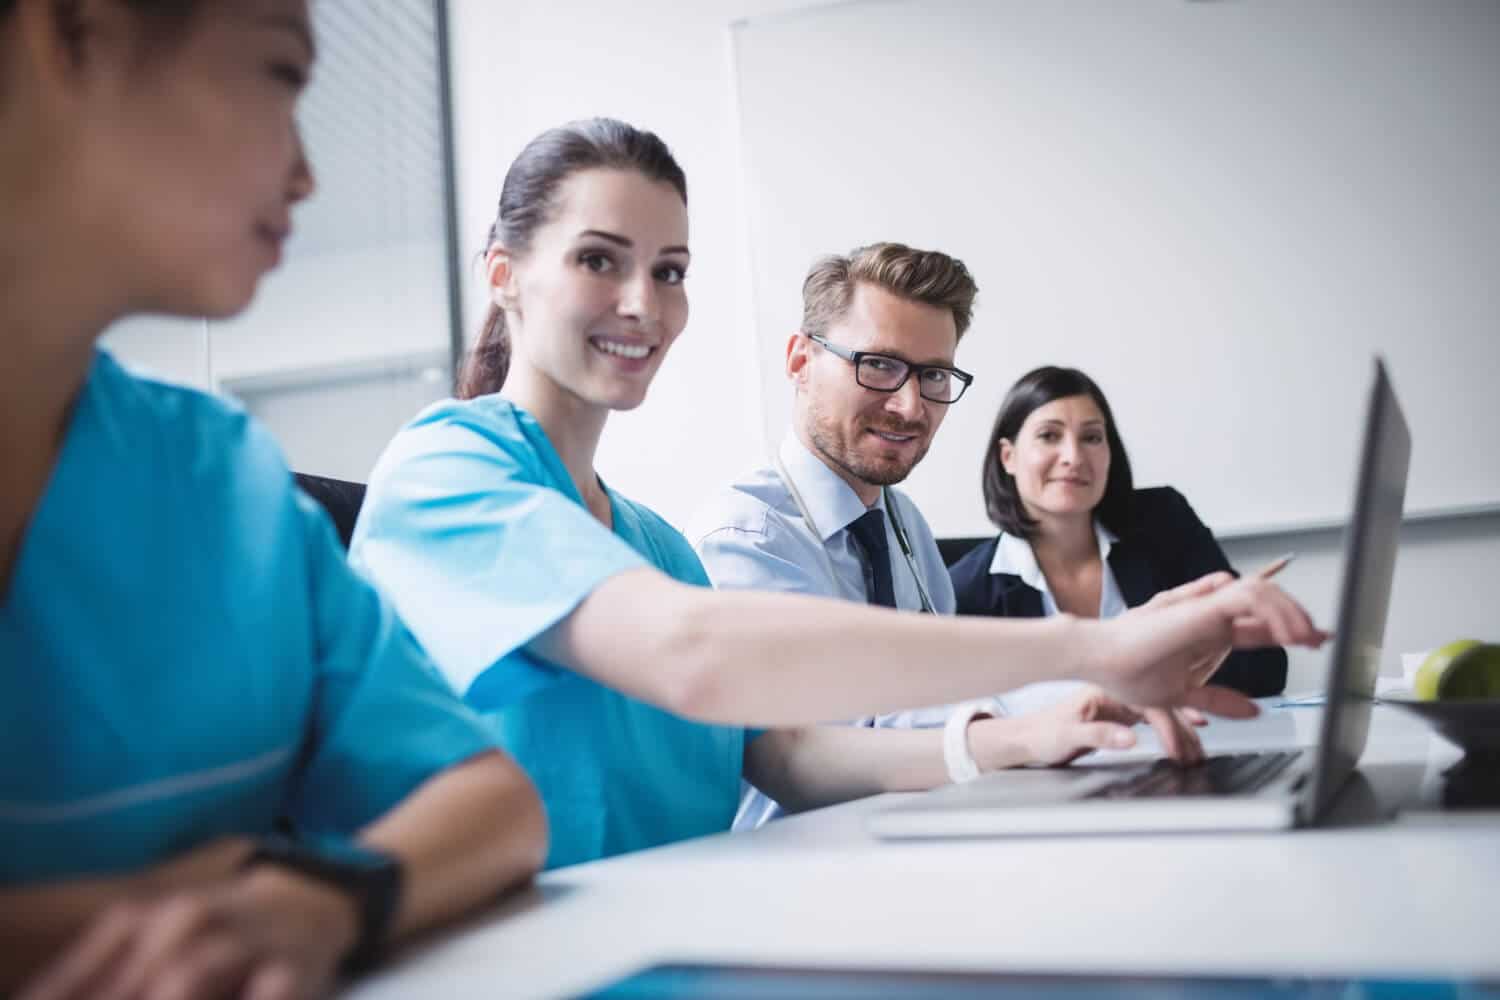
<point>1090,720</point>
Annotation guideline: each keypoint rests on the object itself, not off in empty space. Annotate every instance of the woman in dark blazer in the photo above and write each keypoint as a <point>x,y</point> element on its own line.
<point>1075,534</point>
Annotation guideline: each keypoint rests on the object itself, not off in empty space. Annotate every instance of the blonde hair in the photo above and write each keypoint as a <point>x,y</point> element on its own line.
<point>926,276</point>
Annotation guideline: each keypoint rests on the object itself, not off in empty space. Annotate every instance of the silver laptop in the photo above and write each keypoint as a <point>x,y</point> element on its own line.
<point>1265,790</point>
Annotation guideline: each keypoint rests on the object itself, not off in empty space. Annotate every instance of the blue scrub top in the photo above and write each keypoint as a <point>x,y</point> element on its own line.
<point>186,654</point>
<point>474,528</point>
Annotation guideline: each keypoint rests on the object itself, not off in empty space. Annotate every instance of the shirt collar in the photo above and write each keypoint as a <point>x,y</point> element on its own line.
<point>1015,556</point>
<point>832,502</point>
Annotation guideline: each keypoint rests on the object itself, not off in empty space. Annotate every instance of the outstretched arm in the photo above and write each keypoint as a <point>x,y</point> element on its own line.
<point>735,656</point>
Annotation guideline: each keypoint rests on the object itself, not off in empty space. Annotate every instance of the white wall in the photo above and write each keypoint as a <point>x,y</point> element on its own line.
<point>336,424</point>
<point>340,307</point>
<point>1220,210</point>
<point>321,311</point>
<point>520,68</point>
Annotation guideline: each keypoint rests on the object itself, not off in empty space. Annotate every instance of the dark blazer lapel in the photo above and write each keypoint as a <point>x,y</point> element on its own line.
<point>1017,598</point>
<point>1133,573</point>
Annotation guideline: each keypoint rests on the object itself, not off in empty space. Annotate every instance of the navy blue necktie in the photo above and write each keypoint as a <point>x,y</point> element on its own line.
<point>869,530</point>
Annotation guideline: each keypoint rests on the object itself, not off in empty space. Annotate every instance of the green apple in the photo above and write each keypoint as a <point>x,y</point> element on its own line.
<point>1474,673</point>
<point>1460,670</point>
<point>1430,674</point>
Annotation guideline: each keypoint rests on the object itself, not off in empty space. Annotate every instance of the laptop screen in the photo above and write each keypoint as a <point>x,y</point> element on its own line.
<point>1364,595</point>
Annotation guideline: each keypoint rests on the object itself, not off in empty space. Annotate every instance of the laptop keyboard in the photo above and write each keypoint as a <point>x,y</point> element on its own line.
<point>1226,774</point>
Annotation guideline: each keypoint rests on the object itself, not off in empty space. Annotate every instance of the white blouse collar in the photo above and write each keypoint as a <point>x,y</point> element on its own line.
<point>1014,555</point>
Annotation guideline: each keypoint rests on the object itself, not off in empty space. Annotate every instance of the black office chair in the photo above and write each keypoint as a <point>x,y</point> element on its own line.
<point>954,549</point>
<point>340,498</point>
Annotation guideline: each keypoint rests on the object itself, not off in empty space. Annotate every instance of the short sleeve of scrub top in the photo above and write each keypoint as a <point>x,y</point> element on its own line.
<point>384,718</point>
<point>473,526</point>
<point>188,656</point>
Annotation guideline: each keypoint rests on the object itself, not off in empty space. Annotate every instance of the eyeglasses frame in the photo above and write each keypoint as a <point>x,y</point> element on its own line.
<point>912,368</point>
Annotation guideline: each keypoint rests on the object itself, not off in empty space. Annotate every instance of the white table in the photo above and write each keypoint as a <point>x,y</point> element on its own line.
<point>1417,894</point>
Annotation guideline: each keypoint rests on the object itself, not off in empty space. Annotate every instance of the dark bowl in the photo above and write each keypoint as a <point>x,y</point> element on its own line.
<point>1473,724</point>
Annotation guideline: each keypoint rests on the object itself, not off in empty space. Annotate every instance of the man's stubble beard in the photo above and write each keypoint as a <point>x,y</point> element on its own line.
<point>827,443</point>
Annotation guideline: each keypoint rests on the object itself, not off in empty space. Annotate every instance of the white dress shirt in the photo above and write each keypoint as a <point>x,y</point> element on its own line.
<point>752,536</point>
<point>1015,556</point>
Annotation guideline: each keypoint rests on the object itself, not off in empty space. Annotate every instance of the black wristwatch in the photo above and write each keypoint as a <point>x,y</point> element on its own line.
<point>371,878</point>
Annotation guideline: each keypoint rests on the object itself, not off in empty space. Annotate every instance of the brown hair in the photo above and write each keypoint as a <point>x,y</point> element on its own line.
<point>918,275</point>
<point>528,198</point>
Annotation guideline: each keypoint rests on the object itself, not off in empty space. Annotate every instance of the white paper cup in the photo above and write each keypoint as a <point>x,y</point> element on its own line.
<point>1410,664</point>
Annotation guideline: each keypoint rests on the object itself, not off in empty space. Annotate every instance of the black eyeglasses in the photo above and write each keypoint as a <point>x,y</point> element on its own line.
<point>884,373</point>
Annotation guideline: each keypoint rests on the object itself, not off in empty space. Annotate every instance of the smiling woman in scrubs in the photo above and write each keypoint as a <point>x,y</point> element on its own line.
<point>581,624</point>
<point>187,665</point>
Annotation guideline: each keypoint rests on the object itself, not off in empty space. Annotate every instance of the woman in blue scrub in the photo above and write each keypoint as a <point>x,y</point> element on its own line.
<point>582,625</point>
<point>225,766</point>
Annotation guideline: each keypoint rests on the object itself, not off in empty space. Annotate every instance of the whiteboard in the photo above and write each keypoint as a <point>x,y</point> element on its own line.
<point>1221,211</point>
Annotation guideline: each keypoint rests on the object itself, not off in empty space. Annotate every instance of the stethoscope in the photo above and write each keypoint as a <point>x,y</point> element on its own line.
<point>896,525</point>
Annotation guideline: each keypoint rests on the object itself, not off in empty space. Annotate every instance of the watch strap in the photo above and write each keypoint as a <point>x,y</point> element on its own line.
<point>371,878</point>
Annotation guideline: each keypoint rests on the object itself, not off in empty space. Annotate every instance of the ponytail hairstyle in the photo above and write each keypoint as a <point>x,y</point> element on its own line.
<point>528,199</point>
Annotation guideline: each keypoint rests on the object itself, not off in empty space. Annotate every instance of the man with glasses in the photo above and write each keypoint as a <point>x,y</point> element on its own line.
<point>873,375</point>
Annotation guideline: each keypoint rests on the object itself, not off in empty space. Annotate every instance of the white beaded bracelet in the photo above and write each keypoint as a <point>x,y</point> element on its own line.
<point>956,756</point>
